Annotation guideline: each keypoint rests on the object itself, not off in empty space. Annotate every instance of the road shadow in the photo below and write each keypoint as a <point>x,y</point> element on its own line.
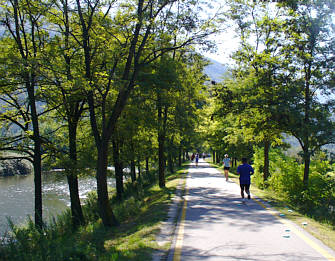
<point>218,226</point>
<point>219,253</point>
<point>217,201</point>
<point>216,205</point>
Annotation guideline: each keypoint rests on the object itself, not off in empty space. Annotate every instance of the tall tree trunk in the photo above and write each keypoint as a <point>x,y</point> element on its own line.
<point>217,158</point>
<point>38,186</point>
<point>180,156</point>
<point>170,156</point>
<point>132,162</point>
<point>161,160</point>
<point>132,170</point>
<point>266,160</point>
<point>105,208</point>
<point>170,163</point>
<point>306,132</point>
<point>118,169</point>
<point>162,118</point>
<point>74,110</point>
<point>72,178</point>
<point>147,165</point>
<point>37,159</point>
<point>76,210</point>
<point>18,30</point>
<point>307,161</point>
<point>214,156</point>
<point>139,167</point>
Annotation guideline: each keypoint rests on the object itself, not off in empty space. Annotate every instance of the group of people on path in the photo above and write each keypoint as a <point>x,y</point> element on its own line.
<point>244,171</point>
<point>196,157</point>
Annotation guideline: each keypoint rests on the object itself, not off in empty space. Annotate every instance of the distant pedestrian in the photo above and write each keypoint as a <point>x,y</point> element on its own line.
<point>226,165</point>
<point>192,157</point>
<point>245,171</point>
<point>196,159</point>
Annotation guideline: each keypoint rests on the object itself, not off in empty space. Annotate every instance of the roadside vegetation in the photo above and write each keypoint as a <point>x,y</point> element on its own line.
<point>94,84</point>
<point>87,85</point>
<point>144,206</point>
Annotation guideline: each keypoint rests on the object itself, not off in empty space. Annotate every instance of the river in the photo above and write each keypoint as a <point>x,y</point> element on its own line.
<point>17,196</point>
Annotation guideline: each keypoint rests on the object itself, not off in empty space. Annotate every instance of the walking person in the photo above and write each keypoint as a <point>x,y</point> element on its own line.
<point>226,165</point>
<point>196,159</point>
<point>245,171</point>
<point>192,157</point>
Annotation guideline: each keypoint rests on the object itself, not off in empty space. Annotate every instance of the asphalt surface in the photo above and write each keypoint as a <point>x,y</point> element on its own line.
<point>216,225</point>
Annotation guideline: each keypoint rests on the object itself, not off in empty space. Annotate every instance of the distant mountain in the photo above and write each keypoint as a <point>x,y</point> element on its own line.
<point>296,148</point>
<point>215,70</point>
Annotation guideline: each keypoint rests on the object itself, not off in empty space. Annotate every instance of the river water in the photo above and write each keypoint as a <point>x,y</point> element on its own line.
<point>17,196</point>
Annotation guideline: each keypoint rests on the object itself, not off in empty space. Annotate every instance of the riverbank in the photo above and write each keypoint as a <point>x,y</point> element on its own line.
<point>323,231</point>
<point>140,215</point>
<point>17,194</point>
<point>15,167</point>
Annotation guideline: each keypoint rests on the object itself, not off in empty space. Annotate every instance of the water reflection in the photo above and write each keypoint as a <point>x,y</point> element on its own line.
<point>17,196</point>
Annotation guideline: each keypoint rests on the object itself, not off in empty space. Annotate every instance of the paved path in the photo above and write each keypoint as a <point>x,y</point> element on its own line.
<point>216,226</point>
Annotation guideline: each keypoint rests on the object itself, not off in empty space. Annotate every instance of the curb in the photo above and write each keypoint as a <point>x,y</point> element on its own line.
<point>169,226</point>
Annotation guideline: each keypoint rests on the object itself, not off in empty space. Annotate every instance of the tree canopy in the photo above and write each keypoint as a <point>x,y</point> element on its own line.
<point>93,84</point>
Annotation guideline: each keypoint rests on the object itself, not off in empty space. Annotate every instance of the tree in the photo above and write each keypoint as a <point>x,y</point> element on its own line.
<point>259,70</point>
<point>25,38</point>
<point>191,101</point>
<point>310,74</point>
<point>143,41</point>
<point>62,62</point>
<point>281,97</point>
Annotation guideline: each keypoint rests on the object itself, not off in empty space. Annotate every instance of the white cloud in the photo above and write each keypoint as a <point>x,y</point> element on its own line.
<point>227,43</point>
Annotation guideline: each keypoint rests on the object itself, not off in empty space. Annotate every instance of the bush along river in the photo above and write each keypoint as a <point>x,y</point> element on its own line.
<point>17,196</point>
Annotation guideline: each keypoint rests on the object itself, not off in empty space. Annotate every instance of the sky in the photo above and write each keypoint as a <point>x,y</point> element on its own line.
<point>226,41</point>
<point>226,45</point>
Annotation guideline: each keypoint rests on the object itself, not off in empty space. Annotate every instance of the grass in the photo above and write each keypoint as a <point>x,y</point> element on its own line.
<point>323,231</point>
<point>140,215</point>
<point>135,239</point>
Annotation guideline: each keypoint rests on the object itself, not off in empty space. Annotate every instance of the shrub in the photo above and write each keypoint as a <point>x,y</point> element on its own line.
<point>286,180</point>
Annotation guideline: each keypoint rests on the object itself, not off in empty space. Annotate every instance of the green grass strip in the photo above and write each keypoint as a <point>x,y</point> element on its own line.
<point>140,215</point>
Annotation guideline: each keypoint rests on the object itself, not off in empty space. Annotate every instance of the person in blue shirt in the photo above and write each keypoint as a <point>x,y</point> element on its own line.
<point>196,159</point>
<point>245,171</point>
